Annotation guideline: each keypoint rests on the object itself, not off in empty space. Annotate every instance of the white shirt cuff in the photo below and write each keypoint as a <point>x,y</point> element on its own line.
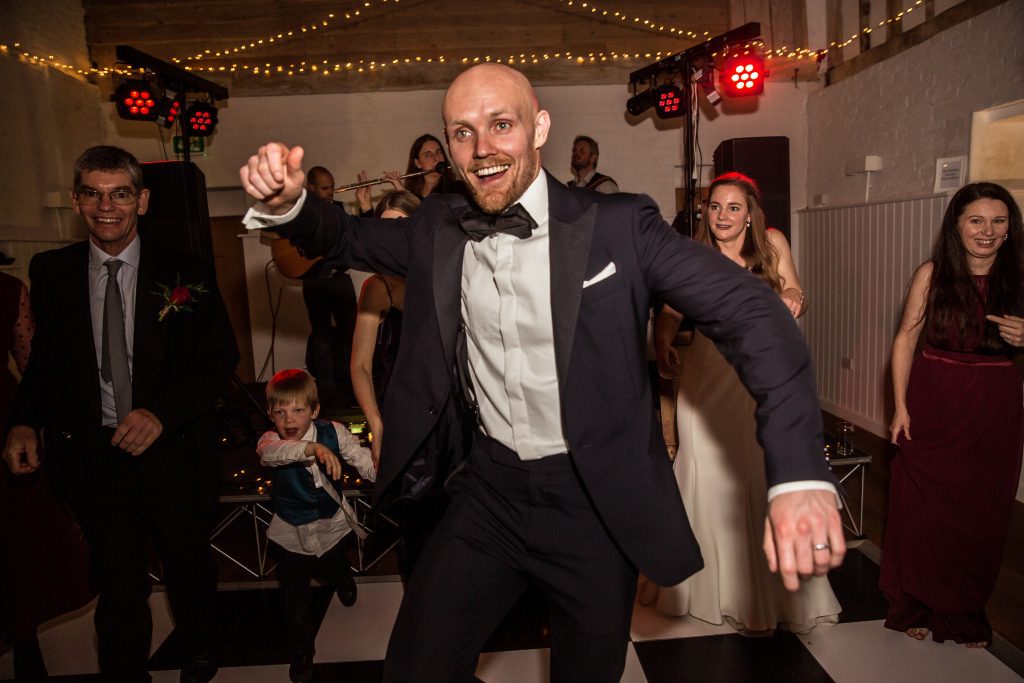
<point>257,220</point>
<point>806,485</point>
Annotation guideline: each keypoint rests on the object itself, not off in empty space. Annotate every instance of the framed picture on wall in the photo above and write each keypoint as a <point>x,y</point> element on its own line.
<point>949,174</point>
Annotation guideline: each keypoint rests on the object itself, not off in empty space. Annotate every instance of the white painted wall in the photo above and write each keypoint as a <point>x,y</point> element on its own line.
<point>914,108</point>
<point>49,117</point>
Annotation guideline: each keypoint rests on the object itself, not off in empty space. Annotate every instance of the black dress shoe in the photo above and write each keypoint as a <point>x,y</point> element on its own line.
<point>198,669</point>
<point>301,669</point>
<point>347,592</point>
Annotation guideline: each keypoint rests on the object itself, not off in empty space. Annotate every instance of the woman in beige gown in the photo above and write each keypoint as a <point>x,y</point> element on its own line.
<point>719,465</point>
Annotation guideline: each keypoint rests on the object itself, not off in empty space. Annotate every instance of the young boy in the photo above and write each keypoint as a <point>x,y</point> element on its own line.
<point>311,515</point>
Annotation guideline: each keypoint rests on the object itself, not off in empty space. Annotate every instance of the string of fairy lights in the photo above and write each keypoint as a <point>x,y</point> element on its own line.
<point>321,25</point>
<point>325,66</point>
<point>884,22</point>
<point>356,13</point>
<point>17,50</point>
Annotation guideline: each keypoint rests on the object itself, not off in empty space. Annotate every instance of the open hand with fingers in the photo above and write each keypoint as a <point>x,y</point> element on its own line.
<point>137,431</point>
<point>1011,328</point>
<point>324,455</point>
<point>803,535</point>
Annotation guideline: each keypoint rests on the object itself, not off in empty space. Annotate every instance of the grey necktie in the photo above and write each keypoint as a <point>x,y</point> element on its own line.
<point>114,367</point>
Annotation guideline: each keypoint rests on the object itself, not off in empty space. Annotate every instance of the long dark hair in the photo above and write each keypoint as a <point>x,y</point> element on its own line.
<point>953,296</point>
<point>757,251</point>
<point>415,185</point>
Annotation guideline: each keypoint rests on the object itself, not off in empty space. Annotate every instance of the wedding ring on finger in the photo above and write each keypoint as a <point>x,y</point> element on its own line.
<point>821,546</point>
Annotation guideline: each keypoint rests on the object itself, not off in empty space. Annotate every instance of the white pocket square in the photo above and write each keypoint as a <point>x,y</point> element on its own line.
<point>605,273</point>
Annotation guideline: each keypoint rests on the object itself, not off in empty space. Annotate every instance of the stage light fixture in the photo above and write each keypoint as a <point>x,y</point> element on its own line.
<point>136,100</point>
<point>743,75</point>
<point>668,101</point>
<point>641,102</point>
<point>168,110</point>
<point>201,119</point>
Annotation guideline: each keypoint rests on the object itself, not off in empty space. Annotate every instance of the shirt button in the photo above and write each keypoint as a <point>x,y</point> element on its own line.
<point>432,410</point>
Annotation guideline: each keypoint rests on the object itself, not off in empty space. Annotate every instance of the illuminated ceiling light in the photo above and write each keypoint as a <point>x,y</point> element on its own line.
<point>136,100</point>
<point>668,101</point>
<point>168,109</point>
<point>743,76</point>
<point>201,119</point>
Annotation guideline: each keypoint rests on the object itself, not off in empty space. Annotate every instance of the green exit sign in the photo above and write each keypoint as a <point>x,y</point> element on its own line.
<point>195,146</point>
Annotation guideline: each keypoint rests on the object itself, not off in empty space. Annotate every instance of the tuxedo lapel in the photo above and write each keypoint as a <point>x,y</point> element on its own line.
<point>82,345</point>
<point>449,245</point>
<point>571,230</point>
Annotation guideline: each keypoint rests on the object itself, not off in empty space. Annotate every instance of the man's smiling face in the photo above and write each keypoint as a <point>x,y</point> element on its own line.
<point>494,132</point>
<point>112,226</point>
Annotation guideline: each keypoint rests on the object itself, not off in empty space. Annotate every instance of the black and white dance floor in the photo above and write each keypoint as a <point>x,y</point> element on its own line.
<point>351,643</point>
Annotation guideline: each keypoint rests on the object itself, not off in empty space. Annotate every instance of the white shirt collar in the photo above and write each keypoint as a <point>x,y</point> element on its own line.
<point>130,255</point>
<point>535,199</point>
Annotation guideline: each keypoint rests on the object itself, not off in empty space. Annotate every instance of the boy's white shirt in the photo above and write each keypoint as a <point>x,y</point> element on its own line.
<point>317,537</point>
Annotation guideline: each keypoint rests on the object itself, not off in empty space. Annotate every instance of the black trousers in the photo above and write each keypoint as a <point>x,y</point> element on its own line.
<point>513,523</point>
<point>127,506</point>
<point>331,306</point>
<point>416,521</point>
<point>295,571</point>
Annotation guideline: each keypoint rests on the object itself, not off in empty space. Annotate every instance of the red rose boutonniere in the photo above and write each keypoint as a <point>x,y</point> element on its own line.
<point>178,298</point>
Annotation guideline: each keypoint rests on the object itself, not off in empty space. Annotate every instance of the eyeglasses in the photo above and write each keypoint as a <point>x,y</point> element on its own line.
<point>93,197</point>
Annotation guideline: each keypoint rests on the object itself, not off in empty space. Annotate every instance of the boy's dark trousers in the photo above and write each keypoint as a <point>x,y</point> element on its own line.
<point>294,571</point>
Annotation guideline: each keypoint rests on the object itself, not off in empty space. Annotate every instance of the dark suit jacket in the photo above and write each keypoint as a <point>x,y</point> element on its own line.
<point>180,364</point>
<point>600,348</point>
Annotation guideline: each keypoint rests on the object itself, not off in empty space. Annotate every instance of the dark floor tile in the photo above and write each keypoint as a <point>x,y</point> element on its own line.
<point>855,584</point>
<point>729,659</point>
<point>252,623</point>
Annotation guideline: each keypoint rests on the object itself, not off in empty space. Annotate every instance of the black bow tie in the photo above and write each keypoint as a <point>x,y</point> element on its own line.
<point>515,221</point>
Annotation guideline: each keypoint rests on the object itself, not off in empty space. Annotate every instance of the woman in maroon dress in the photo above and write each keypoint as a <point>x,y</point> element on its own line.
<point>958,422</point>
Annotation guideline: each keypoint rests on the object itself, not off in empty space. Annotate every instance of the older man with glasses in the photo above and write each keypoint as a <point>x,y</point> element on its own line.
<point>132,347</point>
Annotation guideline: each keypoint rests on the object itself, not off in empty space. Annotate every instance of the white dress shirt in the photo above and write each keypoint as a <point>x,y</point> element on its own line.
<point>127,277</point>
<point>506,308</point>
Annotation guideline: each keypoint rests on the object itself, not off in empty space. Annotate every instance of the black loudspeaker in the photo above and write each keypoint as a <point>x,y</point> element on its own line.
<point>766,160</point>
<point>178,216</point>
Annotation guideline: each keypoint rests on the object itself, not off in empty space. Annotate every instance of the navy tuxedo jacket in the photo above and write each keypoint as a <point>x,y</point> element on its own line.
<point>600,348</point>
<point>180,364</point>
